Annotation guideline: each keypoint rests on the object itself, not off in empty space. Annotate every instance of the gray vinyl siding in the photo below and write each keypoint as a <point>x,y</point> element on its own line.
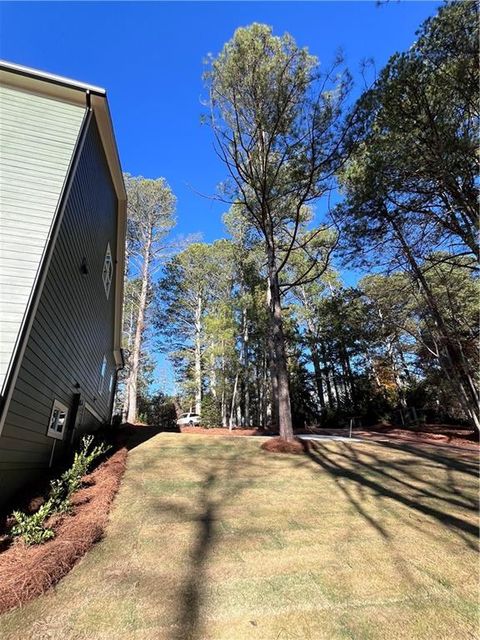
<point>37,139</point>
<point>73,326</point>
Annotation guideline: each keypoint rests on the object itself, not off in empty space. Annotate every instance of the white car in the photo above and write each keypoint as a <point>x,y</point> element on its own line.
<point>192,419</point>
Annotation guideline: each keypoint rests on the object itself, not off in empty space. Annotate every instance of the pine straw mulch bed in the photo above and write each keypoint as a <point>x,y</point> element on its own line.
<point>280,445</point>
<point>223,431</point>
<point>437,434</point>
<point>26,572</point>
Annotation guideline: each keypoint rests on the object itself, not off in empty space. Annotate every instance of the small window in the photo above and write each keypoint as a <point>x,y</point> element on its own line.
<point>110,383</point>
<point>58,419</point>
<point>107,274</point>
<point>102,374</point>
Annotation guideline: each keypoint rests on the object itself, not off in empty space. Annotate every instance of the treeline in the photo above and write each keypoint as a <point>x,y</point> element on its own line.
<point>411,191</point>
<point>259,327</point>
<point>363,352</point>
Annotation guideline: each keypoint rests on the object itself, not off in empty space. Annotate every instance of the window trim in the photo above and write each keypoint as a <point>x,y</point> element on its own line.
<point>52,431</point>
<point>107,276</point>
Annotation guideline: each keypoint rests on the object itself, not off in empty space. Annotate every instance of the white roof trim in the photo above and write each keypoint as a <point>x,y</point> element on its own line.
<point>50,77</point>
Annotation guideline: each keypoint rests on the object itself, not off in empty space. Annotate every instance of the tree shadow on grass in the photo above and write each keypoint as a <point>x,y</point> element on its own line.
<point>133,435</point>
<point>391,479</point>
<point>192,592</point>
<point>220,484</point>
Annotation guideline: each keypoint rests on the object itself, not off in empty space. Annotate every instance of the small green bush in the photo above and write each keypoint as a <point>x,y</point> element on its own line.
<point>159,411</point>
<point>59,495</point>
<point>31,528</point>
<point>71,480</point>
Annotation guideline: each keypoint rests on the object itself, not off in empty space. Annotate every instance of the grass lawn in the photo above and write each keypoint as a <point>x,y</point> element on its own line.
<point>210,537</point>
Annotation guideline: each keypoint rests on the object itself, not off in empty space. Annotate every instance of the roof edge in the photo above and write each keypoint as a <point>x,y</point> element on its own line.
<point>29,72</point>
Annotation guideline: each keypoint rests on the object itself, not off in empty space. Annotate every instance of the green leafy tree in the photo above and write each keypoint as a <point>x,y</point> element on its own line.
<point>410,183</point>
<point>151,206</point>
<point>275,121</point>
<point>192,282</point>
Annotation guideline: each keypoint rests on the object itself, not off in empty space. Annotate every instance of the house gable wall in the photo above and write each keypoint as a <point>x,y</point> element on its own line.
<point>73,326</point>
<point>37,140</point>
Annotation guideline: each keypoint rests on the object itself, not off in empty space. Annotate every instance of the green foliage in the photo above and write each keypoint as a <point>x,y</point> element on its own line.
<point>194,312</point>
<point>409,210</point>
<point>411,188</point>
<point>413,158</point>
<point>60,495</point>
<point>151,212</point>
<point>304,411</point>
<point>31,528</point>
<point>70,481</point>
<point>150,218</point>
<point>159,410</point>
<point>211,412</point>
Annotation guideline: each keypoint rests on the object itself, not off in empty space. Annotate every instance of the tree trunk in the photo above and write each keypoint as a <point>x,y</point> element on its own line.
<point>213,377</point>
<point>318,372</point>
<point>391,355</point>
<point>326,368</point>
<point>137,343</point>
<point>335,386</point>
<point>198,356</point>
<point>223,408</point>
<point>234,398</point>
<point>274,417</point>
<point>348,372</point>
<point>246,368</point>
<point>279,364</point>
<point>454,360</point>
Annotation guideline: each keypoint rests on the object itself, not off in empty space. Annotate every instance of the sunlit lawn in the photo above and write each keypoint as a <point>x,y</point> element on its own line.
<point>211,537</point>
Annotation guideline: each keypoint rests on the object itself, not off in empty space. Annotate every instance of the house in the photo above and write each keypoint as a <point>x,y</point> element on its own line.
<point>62,230</point>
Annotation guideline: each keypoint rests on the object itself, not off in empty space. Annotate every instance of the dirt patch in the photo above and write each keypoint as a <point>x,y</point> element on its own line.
<point>223,431</point>
<point>280,445</point>
<point>26,572</point>
<point>437,434</point>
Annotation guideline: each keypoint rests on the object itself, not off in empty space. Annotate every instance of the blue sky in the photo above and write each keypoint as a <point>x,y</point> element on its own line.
<point>149,56</point>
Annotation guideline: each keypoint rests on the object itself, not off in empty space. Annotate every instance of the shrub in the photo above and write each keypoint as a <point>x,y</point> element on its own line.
<point>161,412</point>
<point>31,528</point>
<point>211,414</point>
<point>59,495</point>
<point>71,480</point>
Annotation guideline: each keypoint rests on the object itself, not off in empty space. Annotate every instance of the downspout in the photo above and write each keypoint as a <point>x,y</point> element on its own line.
<point>115,383</point>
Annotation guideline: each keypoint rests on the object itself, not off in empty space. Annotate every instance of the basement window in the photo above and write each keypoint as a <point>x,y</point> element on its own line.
<point>107,275</point>
<point>103,371</point>
<point>58,419</point>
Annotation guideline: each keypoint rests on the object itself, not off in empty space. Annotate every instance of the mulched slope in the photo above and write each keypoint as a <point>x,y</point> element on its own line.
<point>445,435</point>
<point>223,431</point>
<point>438,434</point>
<point>279,445</point>
<point>26,572</point>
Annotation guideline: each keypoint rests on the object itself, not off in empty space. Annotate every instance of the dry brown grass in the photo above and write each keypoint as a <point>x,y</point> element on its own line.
<point>214,539</point>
